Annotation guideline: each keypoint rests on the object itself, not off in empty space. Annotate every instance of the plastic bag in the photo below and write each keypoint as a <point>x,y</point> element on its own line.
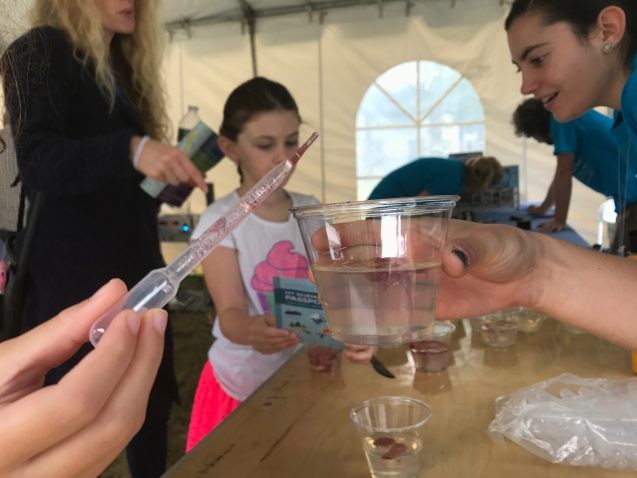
<point>573,420</point>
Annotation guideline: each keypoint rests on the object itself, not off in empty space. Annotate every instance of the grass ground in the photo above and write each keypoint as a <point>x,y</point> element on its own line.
<point>191,335</point>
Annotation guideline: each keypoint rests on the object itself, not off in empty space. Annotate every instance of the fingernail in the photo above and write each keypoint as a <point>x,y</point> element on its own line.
<point>101,290</point>
<point>160,320</point>
<point>134,321</point>
<point>462,256</point>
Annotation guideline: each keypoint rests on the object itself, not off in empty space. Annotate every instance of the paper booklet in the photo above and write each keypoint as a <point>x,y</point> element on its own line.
<point>200,144</point>
<point>297,308</point>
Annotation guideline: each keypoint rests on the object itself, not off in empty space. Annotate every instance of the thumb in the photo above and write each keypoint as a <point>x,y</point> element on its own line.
<point>493,252</point>
<point>455,262</point>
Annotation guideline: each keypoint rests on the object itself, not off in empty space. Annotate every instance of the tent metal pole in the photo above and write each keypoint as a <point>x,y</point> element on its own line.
<point>253,46</point>
<point>321,106</point>
<point>248,17</point>
<point>238,15</point>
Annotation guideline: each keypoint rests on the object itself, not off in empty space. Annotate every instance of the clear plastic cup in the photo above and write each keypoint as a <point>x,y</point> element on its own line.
<point>499,329</point>
<point>529,320</point>
<point>391,431</point>
<point>571,329</point>
<point>377,265</point>
<point>431,355</point>
<point>324,359</point>
<point>475,323</point>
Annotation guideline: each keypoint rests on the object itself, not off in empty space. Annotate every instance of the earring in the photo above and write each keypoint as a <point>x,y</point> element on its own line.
<point>607,48</point>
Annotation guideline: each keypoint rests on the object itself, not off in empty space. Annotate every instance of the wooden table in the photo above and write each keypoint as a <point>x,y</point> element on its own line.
<point>297,424</point>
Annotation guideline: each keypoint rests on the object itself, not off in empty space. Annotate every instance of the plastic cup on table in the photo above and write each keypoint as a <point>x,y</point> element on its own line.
<point>499,329</point>
<point>529,320</point>
<point>431,355</point>
<point>377,265</point>
<point>475,323</point>
<point>324,359</point>
<point>391,429</point>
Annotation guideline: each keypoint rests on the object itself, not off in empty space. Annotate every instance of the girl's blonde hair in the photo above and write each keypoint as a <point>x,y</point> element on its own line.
<point>133,61</point>
<point>482,172</point>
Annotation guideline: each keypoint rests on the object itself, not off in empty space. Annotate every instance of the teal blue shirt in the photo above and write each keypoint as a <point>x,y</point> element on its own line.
<point>598,161</point>
<point>439,176</point>
<point>628,113</point>
<point>625,131</point>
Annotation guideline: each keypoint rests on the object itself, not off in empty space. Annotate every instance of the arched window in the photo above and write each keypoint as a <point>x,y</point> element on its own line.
<point>415,109</point>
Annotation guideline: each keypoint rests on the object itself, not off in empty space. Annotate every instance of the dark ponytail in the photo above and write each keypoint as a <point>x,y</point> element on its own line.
<point>258,95</point>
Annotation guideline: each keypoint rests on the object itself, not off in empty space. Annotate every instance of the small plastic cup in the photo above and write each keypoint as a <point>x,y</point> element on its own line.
<point>431,355</point>
<point>529,320</point>
<point>571,329</point>
<point>324,359</point>
<point>391,431</point>
<point>475,323</point>
<point>499,329</point>
<point>377,265</point>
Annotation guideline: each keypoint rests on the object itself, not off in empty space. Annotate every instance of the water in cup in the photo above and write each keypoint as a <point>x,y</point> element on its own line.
<point>323,359</point>
<point>529,320</point>
<point>392,455</point>
<point>432,354</point>
<point>499,329</point>
<point>372,301</point>
<point>391,432</point>
<point>377,265</point>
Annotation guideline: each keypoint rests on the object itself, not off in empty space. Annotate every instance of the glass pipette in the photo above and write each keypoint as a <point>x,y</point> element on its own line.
<point>160,285</point>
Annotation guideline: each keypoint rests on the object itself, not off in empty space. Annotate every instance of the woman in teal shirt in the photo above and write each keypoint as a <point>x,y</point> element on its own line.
<point>575,55</point>
<point>435,176</point>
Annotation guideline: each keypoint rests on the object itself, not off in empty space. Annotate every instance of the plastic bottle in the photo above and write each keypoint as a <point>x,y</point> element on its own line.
<point>188,122</point>
<point>632,247</point>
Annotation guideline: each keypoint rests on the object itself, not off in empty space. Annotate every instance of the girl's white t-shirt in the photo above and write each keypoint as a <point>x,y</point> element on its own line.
<point>265,249</point>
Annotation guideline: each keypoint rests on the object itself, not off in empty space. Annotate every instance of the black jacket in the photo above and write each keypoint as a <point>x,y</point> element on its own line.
<point>96,223</point>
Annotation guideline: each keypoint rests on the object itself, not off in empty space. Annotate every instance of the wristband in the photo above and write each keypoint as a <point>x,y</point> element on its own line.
<point>138,151</point>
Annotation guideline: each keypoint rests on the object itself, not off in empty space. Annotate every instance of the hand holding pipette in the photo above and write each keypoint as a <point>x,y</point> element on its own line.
<point>160,285</point>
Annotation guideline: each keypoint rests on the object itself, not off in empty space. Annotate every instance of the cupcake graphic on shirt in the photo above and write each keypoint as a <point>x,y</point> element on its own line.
<point>281,261</point>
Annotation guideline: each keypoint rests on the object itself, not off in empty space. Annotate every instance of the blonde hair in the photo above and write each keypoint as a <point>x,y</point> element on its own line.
<point>133,61</point>
<point>482,172</point>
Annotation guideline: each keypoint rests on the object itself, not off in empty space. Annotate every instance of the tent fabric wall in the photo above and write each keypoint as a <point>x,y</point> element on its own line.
<point>328,63</point>
<point>328,60</point>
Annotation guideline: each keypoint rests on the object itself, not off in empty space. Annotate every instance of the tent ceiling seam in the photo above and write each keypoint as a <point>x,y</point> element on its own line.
<point>239,15</point>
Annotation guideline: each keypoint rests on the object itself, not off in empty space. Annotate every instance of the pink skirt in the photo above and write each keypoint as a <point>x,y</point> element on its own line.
<point>210,407</point>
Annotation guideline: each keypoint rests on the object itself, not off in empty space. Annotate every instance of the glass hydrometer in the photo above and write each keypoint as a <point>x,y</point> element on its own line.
<point>160,285</point>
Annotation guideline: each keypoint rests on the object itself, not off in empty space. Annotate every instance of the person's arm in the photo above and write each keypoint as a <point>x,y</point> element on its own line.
<point>562,186</point>
<point>223,278</point>
<point>78,426</point>
<point>548,202</point>
<point>508,267</point>
<point>41,93</point>
<point>165,163</point>
<point>494,267</point>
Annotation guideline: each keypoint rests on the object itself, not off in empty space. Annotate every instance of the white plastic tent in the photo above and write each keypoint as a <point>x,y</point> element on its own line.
<point>328,53</point>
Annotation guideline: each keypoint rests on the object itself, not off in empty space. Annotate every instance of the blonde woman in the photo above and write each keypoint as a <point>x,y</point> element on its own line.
<point>85,101</point>
<point>433,176</point>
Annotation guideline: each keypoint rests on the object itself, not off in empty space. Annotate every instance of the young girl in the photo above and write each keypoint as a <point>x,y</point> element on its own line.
<point>260,128</point>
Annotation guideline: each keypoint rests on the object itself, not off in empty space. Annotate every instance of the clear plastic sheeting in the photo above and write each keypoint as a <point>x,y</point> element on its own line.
<point>573,420</point>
